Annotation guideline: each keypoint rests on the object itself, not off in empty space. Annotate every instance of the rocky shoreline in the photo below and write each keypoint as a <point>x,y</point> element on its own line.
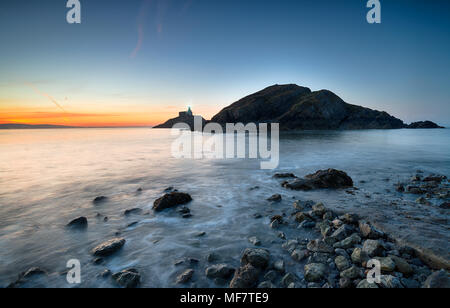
<point>339,255</point>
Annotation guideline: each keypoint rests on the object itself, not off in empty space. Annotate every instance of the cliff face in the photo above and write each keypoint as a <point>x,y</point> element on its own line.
<point>296,107</point>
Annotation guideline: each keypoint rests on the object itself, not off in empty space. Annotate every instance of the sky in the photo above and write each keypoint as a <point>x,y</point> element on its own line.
<point>139,62</point>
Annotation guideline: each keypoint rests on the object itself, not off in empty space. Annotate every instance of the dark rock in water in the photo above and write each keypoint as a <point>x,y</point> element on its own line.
<point>245,277</point>
<point>255,256</point>
<point>100,199</point>
<point>171,200</point>
<point>185,216</point>
<point>108,248</point>
<point>219,271</point>
<point>139,190</point>
<point>445,205</point>
<point>284,175</point>
<point>78,223</point>
<point>169,189</point>
<point>296,107</point>
<point>134,223</point>
<point>184,210</point>
<point>28,274</point>
<point>275,198</point>
<point>185,277</point>
<point>330,178</point>
<point>440,279</point>
<point>423,124</point>
<point>132,211</point>
<point>129,278</point>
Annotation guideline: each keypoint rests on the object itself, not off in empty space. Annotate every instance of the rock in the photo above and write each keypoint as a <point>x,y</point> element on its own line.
<point>301,205</point>
<point>100,199</point>
<point>185,277</point>
<point>324,227</point>
<point>200,234</point>
<point>279,266</point>
<point>266,285</point>
<point>423,125</point>
<point>186,216</point>
<point>410,283</point>
<point>288,279</point>
<point>278,218</point>
<point>400,188</point>
<point>184,210</point>
<point>275,224</point>
<point>319,246</point>
<point>342,232</point>
<point>351,273</point>
<point>171,200</point>
<point>345,283</point>
<point>341,252</point>
<point>330,178</point>
<point>445,205</point>
<point>33,271</point>
<point>212,257</point>
<point>359,256</point>
<point>348,242</point>
<point>129,278</point>
<point>341,263</point>
<point>219,271</point>
<point>275,198</point>
<point>106,273</point>
<point>78,223</point>
<point>319,209</point>
<point>372,248</point>
<point>315,272</point>
<point>307,224</point>
<point>257,257</point>
<point>349,218</point>
<point>271,276</point>
<point>387,264</point>
<point>390,282</point>
<point>439,279</point>
<point>402,265</point>
<point>132,211</point>
<point>423,201</point>
<point>415,190</point>
<point>299,254</point>
<point>301,216</point>
<point>245,277</point>
<point>284,175</point>
<point>337,223</point>
<point>255,241</point>
<point>368,231</point>
<point>108,248</point>
<point>364,284</point>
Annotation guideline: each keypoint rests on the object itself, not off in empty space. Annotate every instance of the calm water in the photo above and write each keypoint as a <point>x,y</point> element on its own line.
<point>49,177</point>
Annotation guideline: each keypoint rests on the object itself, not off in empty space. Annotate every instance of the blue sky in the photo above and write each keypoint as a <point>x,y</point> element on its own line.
<point>209,53</point>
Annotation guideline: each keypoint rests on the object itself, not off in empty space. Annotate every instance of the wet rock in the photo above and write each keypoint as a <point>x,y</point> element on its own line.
<point>364,284</point>
<point>284,175</point>
<point>275,198</point>
<point>186,216</point>
<point>200,234</point>
<point>184,210</point>
<point>341,263</point>
<point>78,223</point>
<point>99,199</point>
<point>279,266</point>
<point>330,178</point>
<point>255,241</point>
<point>108,248</point>
<point>439,279</point>
<point>349,218</point>
<point>315,272</point>
<point>302,205</point>
<point>132,211</point>
<point>129,278</point>
<point>288,279</point>
<point>257,257</point>
<point>368,231</point>
<point>373,248</point>
<point>400,188</point>
<point>348,242</point>
<point>274,224</point>
<point>319,246</point>
<point>185,277</point>
<point>341,252</point>
<point>219,271</point>
<point>324,227</point>
<point>307,224</point>
<point>106,273</point>
<point>345,283</point>
<point>423,201</point>
<point>359,256</point>
<point>171,200</point>
<point>337,223</point>
<point>271,276</point>
<point>351,273</point>
<point>410,283</point>
<point>445,205</point>
<point>212,257</point>
<point>245,277</point>
<point>387,264</point>
<point>299,254</point>
<point>319,209</point>
<point>415,190</point>
<point>402,265</point>
<point>266,285</point>
<point>390,282</point>
<point>277,218</point>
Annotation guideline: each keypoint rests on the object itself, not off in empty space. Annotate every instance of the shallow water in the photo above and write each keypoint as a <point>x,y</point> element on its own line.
<point>49,177</point>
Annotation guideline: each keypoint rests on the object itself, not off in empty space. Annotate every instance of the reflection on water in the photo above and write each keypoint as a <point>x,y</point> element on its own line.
<point>48,177</point>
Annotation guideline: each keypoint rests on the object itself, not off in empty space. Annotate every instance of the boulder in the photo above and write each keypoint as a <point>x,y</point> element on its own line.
<point>185,277</point>
<point>275,198</point>
<point>319,246</point>
<point>284,175</point>
<point>78,223</point>
<point>318,209</point>
<point>351,273</point>
<point>359,256</point>
<point>245,277</point>
<point>330,178</point>
<point>372,248</point>
<point>368,231</point>
<point>348,242</point>
<point>257,257</point>
<point>108,248</point>
<point>129,278</point>
<point>364,284</point>
<point>439,279</point>
<point>402,265</point>
<point>132,211</point>
<point>222,271</point>
<point>390,282</point>
<point>171,200</point>
<point>341,263</point>
<point>342,232</point>
<point>387,264</point>
<point>315,272</point>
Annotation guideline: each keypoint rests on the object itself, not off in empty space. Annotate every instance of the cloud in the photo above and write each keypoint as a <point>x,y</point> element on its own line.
<point>142,16</point>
